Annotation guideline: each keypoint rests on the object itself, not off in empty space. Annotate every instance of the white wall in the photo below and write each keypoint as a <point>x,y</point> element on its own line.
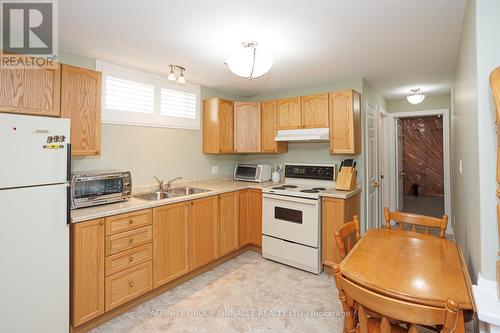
<point>431,102</point>
<point>474,139</point>
<point>488,58</point>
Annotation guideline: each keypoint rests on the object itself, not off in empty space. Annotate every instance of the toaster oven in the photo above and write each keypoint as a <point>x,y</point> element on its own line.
<point>93,188</point>
<point>258,173</point>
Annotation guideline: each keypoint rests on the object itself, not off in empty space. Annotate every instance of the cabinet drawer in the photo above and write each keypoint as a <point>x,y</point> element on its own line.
<point>126,259</point>
<point>128,221</point>
<point>129,284</point>
<point>128,239</point>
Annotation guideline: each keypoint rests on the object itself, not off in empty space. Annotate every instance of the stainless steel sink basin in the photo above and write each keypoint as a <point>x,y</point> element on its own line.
<point>175,192</point>
<point>158,195</point>
<point>188,190</point>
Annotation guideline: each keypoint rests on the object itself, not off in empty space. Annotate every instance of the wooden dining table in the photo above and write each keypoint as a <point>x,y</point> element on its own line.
<point>413,267</point>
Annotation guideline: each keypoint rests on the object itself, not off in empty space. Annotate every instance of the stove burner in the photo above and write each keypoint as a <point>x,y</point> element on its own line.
<point>309,191</point>
<point>279,188</point>
<point>290,186</point>
<point>319,188</point>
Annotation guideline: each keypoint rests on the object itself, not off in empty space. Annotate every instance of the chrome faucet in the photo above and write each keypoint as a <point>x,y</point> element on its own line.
<point>160,183</point>
<point>169,183</point>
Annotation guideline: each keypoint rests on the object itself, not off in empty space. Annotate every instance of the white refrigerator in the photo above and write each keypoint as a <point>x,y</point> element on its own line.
<point>34,224</point>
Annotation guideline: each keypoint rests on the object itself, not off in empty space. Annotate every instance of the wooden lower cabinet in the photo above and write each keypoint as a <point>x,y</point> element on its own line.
<point>335,213</point>
<point>128,284</point>
<point>244,218</point>
<point>170,242</point>
<point>250,213</point>
<point>203,230</point>
<point>128,239</point>
<point>228,222</point>
<point>87,278</point>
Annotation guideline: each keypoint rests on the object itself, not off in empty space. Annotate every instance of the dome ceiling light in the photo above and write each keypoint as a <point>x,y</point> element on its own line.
<point>249,62</point>
<point>173,77</point>
<point>416,96</point>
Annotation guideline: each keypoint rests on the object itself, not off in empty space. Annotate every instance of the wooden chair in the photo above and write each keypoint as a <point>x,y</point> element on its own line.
<point>374,313</point>
<point>414,220</point>
<point>344,236</point>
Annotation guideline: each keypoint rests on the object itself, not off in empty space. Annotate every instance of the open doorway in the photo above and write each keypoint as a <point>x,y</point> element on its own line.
<point>420,181</point>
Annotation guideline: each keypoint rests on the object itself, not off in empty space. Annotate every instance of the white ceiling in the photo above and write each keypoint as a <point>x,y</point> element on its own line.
<point>395,45</point>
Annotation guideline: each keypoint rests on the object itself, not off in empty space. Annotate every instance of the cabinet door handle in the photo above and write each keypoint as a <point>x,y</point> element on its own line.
<point>131,240</point>
<point>131,259</point>
<point>130,221</point>
<point>131,284</point>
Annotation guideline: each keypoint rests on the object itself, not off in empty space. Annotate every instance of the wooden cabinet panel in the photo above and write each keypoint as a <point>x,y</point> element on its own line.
<point>128,239</point>
<point>87,278</point>
<point>247,127</point>
<point>315,111</point>
<point>128,221</point>
<point>126,259</point>
<point>218,126</point>
<point>203,230</point>
<point>255,217</point>
<point>345,122</point>
<point>288,114</point>
<point>81,102</point>
<point>31,91</point>
<point>268,129</point>
<point>128,284</point>
<point>170,230</point>
<point>244,217</point>
<point>335,213</point>
<point>228,222</point>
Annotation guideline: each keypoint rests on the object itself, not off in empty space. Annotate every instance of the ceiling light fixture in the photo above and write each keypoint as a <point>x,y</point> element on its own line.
<point>173,77</point>
<point>249,62</point>
<point>416,96</point>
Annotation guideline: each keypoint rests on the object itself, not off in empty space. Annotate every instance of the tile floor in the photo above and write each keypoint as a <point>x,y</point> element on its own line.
<point>245,294</point>
<point>425,205</point>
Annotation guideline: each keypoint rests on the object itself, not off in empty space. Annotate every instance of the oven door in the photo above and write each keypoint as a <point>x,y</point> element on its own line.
<point>291,219</point>
<point>246,172</point>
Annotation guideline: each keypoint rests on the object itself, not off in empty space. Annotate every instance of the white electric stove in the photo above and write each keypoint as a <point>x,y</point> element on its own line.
<point>291,216</point>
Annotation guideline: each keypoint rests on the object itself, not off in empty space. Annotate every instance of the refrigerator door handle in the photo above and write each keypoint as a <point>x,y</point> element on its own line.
<point>68,189</point>
<point>68,162</point>
<point>68,204</point>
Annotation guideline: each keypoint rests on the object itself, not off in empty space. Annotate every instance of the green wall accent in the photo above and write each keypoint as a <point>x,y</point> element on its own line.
<point>432,102</point>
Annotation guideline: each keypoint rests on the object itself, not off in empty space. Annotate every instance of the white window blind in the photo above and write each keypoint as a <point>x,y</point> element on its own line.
<point>177,103</point>
<point>133,97</point>
<point>125,95</point>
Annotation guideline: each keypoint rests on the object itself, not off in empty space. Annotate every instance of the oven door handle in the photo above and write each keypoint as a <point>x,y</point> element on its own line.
<point>312,202</point>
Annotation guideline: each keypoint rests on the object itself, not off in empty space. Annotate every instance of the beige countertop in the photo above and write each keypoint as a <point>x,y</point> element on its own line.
<point>215,187</point>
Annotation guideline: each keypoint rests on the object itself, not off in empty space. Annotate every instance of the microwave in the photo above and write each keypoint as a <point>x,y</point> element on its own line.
<point>92,188</point>
<point>258,173</point>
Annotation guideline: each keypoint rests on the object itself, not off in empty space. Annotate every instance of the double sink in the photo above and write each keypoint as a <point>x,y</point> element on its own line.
<point>172,193</point>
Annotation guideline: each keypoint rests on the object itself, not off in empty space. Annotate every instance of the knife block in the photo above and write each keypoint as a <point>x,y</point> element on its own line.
<point>346,179</point>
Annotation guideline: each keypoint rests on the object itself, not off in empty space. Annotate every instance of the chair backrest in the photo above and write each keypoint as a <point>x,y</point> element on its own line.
<point>416,220</point>
<point>389,309</point>
<point>346,236</point>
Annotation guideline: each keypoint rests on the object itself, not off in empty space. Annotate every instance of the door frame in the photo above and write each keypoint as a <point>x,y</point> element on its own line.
<point>378,222</point>
<point>446,158</point>
<point>384,162</point>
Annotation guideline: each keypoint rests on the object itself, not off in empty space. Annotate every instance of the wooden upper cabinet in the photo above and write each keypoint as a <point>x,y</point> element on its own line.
<point>268,129</point>
<point>314,111</point>
<point>288,114</point>
<point>247,127</point>
<point>228,222</point>
<point>170,242</point>
<point>345,122</point>
<point>218,126</point>
<point>87,278</point>
<point>203,231</point>
<point>31,91</point>
<point>81,102</point>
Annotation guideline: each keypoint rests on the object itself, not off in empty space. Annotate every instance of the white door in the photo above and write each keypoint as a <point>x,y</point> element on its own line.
<point>34,254</point>
<point>372,166</point>
<point>399,165</point>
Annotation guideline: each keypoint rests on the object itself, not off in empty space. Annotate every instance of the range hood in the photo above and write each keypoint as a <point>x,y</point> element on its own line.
<point>304,135</point>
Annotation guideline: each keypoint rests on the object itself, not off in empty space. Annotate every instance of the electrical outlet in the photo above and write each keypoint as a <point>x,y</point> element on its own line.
<point>215,170</point>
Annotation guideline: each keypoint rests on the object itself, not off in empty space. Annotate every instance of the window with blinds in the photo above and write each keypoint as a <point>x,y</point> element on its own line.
<point>133,97</point>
